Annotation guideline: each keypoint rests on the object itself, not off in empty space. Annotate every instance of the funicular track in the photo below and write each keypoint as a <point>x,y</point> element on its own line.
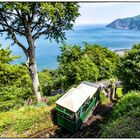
<point>90,129</point>
<point>45,132</point>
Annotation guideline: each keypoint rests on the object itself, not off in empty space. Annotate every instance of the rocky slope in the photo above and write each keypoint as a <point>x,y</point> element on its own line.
<point>132,23</point>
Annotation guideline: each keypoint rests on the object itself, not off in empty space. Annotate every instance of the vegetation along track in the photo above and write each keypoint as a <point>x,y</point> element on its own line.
<point>91,128</point>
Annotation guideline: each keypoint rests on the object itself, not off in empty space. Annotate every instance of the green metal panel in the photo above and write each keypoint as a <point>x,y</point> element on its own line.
<point>92,104</point>
<point>83,117</point>
<point>64,122</point>
<point>73,126</point>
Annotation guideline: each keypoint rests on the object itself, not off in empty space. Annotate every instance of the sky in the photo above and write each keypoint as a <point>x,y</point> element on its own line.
<point>104,13</point>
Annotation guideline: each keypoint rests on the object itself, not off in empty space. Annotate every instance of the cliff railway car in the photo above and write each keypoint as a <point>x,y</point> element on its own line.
<point>74,106</point>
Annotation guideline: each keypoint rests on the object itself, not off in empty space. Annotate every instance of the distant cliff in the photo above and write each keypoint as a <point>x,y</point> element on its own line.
<point>132,23</point>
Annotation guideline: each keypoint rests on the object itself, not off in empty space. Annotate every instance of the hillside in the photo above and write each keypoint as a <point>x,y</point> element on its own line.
<point>132,23</point>
<point>124,119</point>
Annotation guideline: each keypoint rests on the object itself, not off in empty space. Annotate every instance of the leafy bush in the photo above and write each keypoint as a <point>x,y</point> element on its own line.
<point>128,103</point>
<point>15,83</point>
<point>125,118</point>
<point>46,82</point>
<point>119,92</point>
<point>103,98</point>
<point>103,58</point>
<point>129,69</point>
<point>123,127</point>
<point>53,99</point>
<point>91,63</point>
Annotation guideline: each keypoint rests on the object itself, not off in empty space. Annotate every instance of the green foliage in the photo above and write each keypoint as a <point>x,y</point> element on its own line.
<point>91,63</point>
<point>25,121</point>
<point>119,92</point>
<point>15,84</point>
<point>124,127</point>
<point>124,121</point>
<point>53,99</point>
<point>59,17</point>
<point>127,103</point>
<point>129,69</point>
<point>103,98</point>
<point>34,19</point>
<point>46,82</point>
<point>104,58</point>
<point>4,55</point>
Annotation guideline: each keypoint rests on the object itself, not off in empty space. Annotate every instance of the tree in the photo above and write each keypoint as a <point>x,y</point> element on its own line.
<point>129,69</point>
<point>32,20</point>
<point>46,81</point>
<point>105,59</point>
<point>75,67</point>
<point>15,82</point>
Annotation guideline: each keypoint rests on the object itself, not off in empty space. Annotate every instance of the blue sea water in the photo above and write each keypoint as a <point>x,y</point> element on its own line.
<point>47,52</point>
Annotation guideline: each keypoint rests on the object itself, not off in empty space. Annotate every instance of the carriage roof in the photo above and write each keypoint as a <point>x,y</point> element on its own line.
<point>75,97</point>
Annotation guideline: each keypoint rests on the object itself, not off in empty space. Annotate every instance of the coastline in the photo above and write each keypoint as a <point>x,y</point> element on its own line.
<point>121,52</point>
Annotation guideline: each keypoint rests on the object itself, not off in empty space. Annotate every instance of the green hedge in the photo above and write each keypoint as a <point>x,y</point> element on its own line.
<point>128,103</point>
<point>125,118</point>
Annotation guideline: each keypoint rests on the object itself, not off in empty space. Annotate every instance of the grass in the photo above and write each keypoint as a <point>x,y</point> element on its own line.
<point>27,120</point>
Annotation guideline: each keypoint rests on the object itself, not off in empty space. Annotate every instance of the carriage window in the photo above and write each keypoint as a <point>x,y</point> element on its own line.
<point>69,112</point>
<point>85,107</point>
<point>60,107</point>
<point>69,117</point>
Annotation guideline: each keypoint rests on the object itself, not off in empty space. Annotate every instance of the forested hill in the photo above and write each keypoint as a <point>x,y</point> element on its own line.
<point>132,23</point>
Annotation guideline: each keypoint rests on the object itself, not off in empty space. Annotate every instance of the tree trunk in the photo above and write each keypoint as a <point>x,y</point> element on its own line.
<point>35,80</point>
<point>31,63</point>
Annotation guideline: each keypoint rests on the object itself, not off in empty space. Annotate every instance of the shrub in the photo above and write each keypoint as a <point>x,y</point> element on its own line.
<point>119,92</point>
<point>128,103</point>
<point>125,118</point>
<point>103,98</point>
<point>15,82</point>
<point>129,69</point>
<point>123,127</point>
<point>13,97</point>
<point>53,99</point>
<point>91,63</point>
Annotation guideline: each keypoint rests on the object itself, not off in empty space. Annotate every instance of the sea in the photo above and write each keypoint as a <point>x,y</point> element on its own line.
<point>48,51</point>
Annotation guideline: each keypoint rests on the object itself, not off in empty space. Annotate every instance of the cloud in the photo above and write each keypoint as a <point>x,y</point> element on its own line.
<point>95,13</point>
<point>95,4</point>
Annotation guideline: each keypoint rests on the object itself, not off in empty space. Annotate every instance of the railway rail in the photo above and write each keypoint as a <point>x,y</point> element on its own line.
<point>90,128</point>
<point>45,132</point>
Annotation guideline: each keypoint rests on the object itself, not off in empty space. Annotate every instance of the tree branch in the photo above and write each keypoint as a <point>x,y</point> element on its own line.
<point>10,31</point>
<point>38,34</point>
<point>17,42</point>
<point>23,21</point>
<point>8,26</point>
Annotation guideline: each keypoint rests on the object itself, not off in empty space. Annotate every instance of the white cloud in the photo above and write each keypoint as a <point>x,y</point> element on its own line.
<point>95,4</point>
<point>101,13</point>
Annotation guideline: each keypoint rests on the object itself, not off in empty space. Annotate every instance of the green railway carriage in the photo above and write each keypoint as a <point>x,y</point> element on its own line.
<point>73,107</point>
